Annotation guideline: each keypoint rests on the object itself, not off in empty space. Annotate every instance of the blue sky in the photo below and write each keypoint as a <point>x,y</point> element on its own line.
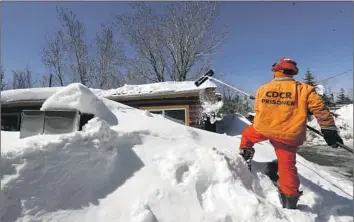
<point>318,35</point>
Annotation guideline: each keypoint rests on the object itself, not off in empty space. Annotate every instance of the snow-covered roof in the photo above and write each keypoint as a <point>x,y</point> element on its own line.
<point>126,91</point>
<point>27,94</point>
<point>162,88</point>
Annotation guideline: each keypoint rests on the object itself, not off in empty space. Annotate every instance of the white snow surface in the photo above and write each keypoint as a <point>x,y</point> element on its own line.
<point>232,125</point>
<point>32,93</point>
<point>78,97</point>
<point>157,88</point>
<point>126,90</point>
<point>148,169</point>
<point>344,123</point>
<point>211,109</point>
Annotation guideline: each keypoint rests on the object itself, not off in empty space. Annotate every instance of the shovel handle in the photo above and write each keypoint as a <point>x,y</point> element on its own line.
<point>339,144</point>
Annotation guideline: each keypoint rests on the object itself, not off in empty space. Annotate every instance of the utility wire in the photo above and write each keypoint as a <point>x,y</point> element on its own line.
<point>334,76</point>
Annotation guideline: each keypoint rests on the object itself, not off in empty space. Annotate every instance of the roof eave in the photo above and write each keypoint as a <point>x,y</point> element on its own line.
<point>118,98</point>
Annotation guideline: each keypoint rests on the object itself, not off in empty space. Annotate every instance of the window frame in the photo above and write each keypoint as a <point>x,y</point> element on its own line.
<point>173,107</point>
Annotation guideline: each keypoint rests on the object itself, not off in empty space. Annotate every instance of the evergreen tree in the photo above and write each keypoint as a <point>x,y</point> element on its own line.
<point>234,103</point>
<point>342,98</point>
<point>348,100</point>
<point>328,99</point>
<point>309,78</point>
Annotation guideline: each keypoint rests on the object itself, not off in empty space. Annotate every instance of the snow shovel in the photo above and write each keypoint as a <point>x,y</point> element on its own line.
<point>209,75</point>
<point>339,144</point>
<point>204,78</point>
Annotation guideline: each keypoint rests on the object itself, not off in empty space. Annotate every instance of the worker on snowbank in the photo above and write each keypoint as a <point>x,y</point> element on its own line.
<point>281,108</point>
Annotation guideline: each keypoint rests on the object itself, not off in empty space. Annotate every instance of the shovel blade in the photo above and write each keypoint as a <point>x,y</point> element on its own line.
<point>204,78</point>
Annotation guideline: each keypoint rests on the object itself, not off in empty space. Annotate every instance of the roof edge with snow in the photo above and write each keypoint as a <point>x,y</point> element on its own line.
<point>126,92</point>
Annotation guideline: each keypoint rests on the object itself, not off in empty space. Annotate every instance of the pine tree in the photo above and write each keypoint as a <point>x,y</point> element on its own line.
<point>309,78</point>
<point>342,98</point>
<point>328,99</point>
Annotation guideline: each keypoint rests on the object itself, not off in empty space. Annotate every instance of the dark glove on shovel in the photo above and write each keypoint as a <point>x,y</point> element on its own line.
<point>331,137</point>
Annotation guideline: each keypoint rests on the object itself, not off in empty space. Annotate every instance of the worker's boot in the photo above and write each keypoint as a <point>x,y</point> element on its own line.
<point>289,202</point>
<point>247,154</point>
<point>271,171</point>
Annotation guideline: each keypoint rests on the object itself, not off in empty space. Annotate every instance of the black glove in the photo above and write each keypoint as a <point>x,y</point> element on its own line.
<point>331,137</point>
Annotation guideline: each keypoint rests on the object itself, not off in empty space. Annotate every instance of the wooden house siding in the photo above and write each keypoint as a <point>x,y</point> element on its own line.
<point>193,104</point>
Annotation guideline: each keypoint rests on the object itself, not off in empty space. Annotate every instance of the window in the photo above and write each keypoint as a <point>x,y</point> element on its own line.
<point>35,122</point>
<point>10,122</point>
<point>179,114</point>
<point>156,112</point>
<point>176,115</point>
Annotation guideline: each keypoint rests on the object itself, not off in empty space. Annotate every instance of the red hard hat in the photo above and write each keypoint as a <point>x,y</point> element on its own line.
<point>287,65</point>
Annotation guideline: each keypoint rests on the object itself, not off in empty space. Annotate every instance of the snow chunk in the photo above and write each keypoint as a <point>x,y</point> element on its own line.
<point>210,106</point>
<point>320,89</point>
<point>78,97</point>
<point>211,109</point>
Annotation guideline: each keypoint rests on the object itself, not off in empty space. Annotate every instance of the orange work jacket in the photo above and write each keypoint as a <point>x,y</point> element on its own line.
<point>282,106</point>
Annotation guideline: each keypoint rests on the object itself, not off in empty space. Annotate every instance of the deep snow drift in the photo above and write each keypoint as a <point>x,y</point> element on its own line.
<point>149,169</point>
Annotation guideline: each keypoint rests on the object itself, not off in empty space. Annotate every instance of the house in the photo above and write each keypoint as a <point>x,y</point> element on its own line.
<point>182,102</point>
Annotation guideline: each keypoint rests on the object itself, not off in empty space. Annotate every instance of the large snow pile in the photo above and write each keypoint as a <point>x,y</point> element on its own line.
<point>149,169</point>
<point>344,122</point>
<point>78,97</point>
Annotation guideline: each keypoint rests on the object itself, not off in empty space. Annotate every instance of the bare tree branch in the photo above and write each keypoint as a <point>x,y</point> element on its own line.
<point>53,57</point>
<point>172,44</point>
<point>135,78</point>
<point>110,55</point>
<point>77,46</point>
<point>143,31</point>
<point>190,35</point>
<point>22,79</point>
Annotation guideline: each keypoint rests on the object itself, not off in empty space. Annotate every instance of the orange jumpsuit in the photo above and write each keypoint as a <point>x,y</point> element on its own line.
<point>281,109</point>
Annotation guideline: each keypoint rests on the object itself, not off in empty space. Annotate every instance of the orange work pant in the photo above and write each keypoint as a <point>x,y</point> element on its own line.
<point>286,153</point>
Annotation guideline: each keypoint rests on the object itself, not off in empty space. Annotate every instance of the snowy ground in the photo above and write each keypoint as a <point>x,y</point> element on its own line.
<point>336,160</point>
<point>148,169</point>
